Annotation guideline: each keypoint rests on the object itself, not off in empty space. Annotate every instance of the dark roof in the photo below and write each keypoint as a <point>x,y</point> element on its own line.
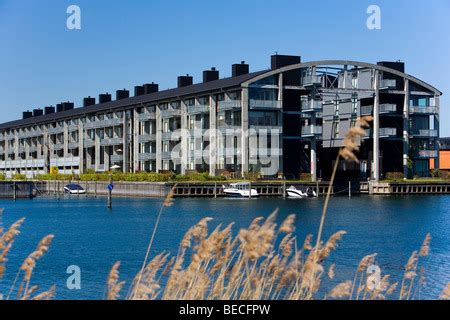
<point>148,98</point>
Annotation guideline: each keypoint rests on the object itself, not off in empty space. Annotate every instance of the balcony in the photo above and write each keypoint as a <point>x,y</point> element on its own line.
<point>310,81</point>
<point>265,104</point>
<point>195,154</point>
<point>73,145</point>
<point>426,154</point>
<point>116,158</point>
<point>311,131</point>
<point>73,127</point>
<point>147,137</point>
<point>424,133</point>
<point>147,156</point>
<point>198,109</point>
<point>388,132</point>
<point>383,133</point>
<point>197,133</point>
<point>311,105</point>
<point>58,146</point>
<point>388,84</point>
<point>30,134</point>
<point>230,130</point>
<point>147,116</point>
<point>105,123</point>
<point>386,108</point>
<point>170,136</point>
<point>229,105</point>
<point>423,110</point>
<point>88,142</point>
<point>55,130</point>
<point>111,141</point>
<point>170,113</point>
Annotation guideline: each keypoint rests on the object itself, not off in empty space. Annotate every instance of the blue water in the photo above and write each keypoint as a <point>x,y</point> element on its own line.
<point>92,237</point>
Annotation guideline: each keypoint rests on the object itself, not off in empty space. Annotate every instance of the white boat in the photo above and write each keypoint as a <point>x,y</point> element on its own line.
<point>74,188</point>
<point>240,190</point>
<point>293,192</point>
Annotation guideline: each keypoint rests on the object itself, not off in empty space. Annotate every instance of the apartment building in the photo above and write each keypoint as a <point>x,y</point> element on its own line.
<point>290,118</point>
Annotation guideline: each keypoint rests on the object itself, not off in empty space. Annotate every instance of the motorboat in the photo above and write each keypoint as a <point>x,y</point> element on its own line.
<point>74,188</point>
<point>293,192</point>
<point>240,190</point>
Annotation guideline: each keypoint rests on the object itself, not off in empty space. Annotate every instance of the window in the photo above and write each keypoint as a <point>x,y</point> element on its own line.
<point>166,125</point>
<point>165,146</point>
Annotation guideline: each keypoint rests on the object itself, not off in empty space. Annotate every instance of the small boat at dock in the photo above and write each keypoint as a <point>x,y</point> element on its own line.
<point>293,192</point>
<point>240,190</point>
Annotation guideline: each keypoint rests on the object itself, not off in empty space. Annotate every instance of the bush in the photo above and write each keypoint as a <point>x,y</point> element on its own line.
<point>395,175</point>
<point>304,176</point>
<point>19,176</point>
<point>252,176</point>
<point>445,175</point>
<point>2,177</point>
<point>436,173</point>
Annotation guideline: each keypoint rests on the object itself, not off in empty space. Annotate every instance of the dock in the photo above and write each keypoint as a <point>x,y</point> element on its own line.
<point>406,188</point>
<point>17,189</point>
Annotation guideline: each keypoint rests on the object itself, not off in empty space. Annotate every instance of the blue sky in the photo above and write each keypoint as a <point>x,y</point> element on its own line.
<point>122,44</point>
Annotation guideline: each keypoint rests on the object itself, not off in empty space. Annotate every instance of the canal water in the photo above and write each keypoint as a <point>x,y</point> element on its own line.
<point>92,237</point>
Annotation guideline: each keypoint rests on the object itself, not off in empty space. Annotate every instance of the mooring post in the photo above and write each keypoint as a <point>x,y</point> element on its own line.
<point>110,192</point>
<point>14,191</point>
<point>349,189</point>
<point>215,190</point>
<point>95,188</point>
<point>317,188</point>
<point>250,191</point>
<point>284,189</point>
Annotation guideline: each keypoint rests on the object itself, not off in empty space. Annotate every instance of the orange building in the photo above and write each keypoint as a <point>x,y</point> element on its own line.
<point>444,155</point>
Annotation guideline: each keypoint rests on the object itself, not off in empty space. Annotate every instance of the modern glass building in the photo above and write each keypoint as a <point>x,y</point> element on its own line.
<point>290,119</point>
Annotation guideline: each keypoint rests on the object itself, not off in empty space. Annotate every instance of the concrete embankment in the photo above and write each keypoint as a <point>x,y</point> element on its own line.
<point>182,189</point>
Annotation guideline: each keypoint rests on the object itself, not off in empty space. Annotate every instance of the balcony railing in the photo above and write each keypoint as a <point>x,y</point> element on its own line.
<point>427,154</point>
<point>147,116</point>
<point>88,142</point>
<point>388,132</point>
<point>73,145</point>
<point>147,137</point>
<point>30,134</point>
<point>105,123</point>
<point>388,84</point>
<point>310,131</point>
<point>116,157</point>
<point>265,104</point>
<point>55,130</point>
<point>111,141</point>
<point>311,106</point>
<point>229,105</point>
<point>196,109</point>
<point>424,133</point>
<point>383,133</point>
<point>308,81</point>
<point>170,113</point>
<point>384,108</point>
<point>423,110</point>
<point>73,127</point>
<point>147,156</point>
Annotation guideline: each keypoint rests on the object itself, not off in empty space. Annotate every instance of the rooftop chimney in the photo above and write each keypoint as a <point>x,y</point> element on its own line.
<point>59,107</point>
<point>151,88</point>
<point>210,75</point>
<point>49,110</point>
<point>279,61</point>
<point>104,97</point>
<point>88,101</point>
<point>122,94</point>
<point>67,105</point>
<point>37,112</point>
<point>239,69</point>
<point>27,114</point>
<point>184,81</point>
<point>138,91</point>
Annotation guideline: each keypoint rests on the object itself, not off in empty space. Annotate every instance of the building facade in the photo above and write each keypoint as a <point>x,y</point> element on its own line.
<point>290,119</point>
